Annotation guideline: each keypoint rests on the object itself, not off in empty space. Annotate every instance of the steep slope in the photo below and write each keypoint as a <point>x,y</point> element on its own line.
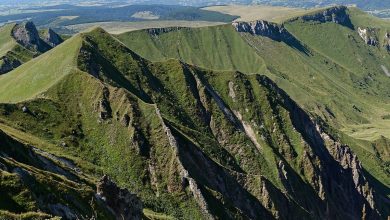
<point>190,142</point>
<point>38,75</point>
<point>217,47</point>
<point>350,47</point>
<point>292,58</point>
<point>319,59</point>
<point>21,42</point>
<point>34,182</point>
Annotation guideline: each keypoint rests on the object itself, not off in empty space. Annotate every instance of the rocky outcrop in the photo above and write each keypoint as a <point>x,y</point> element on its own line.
<point>184,174</point>
<point>270,30</point>
<point>27,35</point>
<point>336,170</point>
<point>386,41</point>
<point>52,38</point>
<point>125,205</point>
<point>336,15</point>
<point>368,36</point>
<point>7,64</point>
<point>105,111</point>
<point>158,31</point>
<point>263,28</point>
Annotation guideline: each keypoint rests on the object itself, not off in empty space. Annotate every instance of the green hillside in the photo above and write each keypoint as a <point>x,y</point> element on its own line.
<point>342,89</point>
<point>225,49</point>
<point>196,143</point>
<point>6,41</point>
<point>220,124</point>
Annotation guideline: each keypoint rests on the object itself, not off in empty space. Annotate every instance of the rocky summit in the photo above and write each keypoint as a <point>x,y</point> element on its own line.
<point>246,120</point>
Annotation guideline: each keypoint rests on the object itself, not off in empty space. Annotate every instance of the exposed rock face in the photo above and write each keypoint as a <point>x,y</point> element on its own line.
<point>185,176</point>
<point>386,41</point>
<point>158,31</point>
<point>368,36</point>
<point>337,15</point>
<point>270,30</point>
<point>263,28</point>
<point>105,108</point>
<point>125,205</point>
<point>332,164</point>
<point>27,35</point>
<point>52,38</point>
<point>7,64</point>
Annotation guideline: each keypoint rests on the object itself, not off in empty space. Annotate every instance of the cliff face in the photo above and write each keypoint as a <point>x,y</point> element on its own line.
<point>262,28</point>
<point>8,63</point>
<point>124,205</point>
<point>27,35</point>
<point>336,14</point>
<point>368,36</point>
<point>336,172</point>
<point>52,38</point>
<point>270,30</point>
<point>158,31</point>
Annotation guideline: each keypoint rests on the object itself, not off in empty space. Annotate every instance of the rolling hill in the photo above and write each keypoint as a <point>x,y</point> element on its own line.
<point>242,121</point>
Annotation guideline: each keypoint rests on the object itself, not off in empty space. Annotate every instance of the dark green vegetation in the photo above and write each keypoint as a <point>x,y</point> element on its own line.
<point>194,143</point>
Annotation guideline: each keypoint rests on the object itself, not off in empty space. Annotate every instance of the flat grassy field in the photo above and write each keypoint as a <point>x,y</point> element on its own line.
<point>258,12</point>
<point>122,27</point>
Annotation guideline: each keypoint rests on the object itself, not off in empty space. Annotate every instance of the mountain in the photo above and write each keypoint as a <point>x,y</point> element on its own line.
<point>330,60</point>
<point>21,42</point>
<point>239,126</point>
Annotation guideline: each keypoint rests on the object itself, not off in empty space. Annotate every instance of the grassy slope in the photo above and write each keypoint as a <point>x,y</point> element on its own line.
<point>59,114</point>
<point>38,74</point>
<point>10,49</point>
<point>28,185</point>
<point>317,72</point>
<point>364,61</point>
<point>73,101</point>
<point>7,43</point>
<point>65,98</point>
<point>331,83</point>
<point>225,49</point>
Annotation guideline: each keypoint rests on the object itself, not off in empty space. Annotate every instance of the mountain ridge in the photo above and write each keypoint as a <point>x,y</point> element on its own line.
<point>191,142</point>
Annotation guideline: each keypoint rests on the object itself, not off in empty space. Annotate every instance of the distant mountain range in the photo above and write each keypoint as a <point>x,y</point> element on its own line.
<point>364,4</point>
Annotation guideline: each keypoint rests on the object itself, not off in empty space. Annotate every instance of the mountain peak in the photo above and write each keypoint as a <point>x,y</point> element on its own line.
<point>52,38</point>
<point>27,35</point>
